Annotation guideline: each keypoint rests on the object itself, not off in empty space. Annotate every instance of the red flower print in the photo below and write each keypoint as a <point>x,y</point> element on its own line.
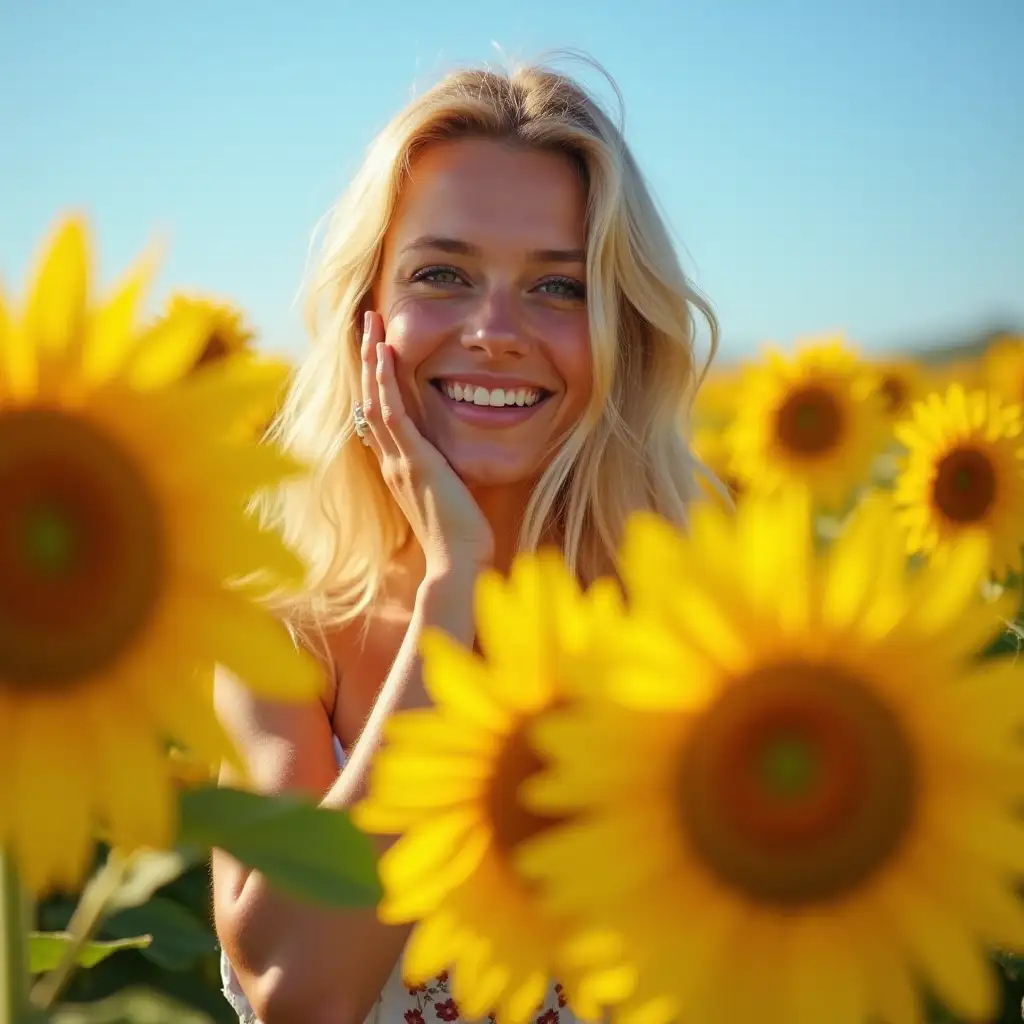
<point>413,1017</point>
<point>548,1017</point>
<point>415,990</point>
<point>561,995</point>
<point>447,1010</point>
<point>442,978</point>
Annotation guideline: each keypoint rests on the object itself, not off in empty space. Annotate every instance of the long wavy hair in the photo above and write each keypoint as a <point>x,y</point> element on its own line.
<point>628,451</point>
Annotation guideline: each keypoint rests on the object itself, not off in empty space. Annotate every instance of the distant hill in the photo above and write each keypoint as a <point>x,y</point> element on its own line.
<point>964,346</point>
<point>935,351</point>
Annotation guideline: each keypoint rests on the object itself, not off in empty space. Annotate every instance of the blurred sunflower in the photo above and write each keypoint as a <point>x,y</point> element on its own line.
<point>901,382</point>
<point>712,448</point>
<point>809,774</point>
<point>963,472</point>
<point>226,333</point>
<point>448,779</point>
<point>122,526</point>
<point>715,402</point>
<point>814,420</point>
<point>1002,368</point>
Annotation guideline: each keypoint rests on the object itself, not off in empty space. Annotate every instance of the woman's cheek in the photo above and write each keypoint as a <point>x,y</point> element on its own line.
<point>567,340</point>
<point>415,330</point>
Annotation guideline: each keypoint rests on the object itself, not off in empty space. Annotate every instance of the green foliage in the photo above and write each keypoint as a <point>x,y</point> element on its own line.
<point>45,950</point>
<point>306,851</point>
<point>179,970</point>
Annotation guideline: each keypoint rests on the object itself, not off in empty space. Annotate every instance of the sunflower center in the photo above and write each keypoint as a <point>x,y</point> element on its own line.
<point>797,785</point>
<point>894,393</point>
<point>215,349</point>
<point>81,549</point>
<point>51,539</point>
<point>810,421</point>
<point>965,485</point>
<point>512,822</point>
<point>788,765</point>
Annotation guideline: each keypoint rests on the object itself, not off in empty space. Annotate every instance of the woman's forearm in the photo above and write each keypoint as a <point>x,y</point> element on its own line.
<point>296,958</point>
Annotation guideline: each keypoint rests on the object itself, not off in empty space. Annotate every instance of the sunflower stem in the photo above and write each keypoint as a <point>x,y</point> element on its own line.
<point>14,1004</point>
<point>83,924</point>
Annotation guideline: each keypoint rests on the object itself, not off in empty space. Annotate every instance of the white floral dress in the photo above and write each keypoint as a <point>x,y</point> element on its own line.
<point>398,1003</point>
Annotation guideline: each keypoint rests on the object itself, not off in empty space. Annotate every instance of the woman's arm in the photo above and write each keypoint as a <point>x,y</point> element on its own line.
<point>299,964</point>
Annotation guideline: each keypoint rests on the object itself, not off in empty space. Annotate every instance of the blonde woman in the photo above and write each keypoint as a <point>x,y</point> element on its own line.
<point>502,344</point>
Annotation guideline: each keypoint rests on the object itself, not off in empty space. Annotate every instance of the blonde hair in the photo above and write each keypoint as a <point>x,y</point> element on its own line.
<point>627,452</point>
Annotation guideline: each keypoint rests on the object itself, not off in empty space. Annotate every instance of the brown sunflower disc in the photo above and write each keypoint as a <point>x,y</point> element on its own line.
<point>810,421</point>
<point>796,785</point>
<point>81,549</point>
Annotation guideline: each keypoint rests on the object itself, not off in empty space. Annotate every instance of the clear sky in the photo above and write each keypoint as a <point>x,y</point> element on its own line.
<point>852,164</point>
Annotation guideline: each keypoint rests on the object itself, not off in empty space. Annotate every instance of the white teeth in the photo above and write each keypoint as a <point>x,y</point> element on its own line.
<point>496,398</point>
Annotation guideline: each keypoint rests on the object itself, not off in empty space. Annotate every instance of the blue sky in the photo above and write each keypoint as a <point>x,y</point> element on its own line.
<point>845,165</point>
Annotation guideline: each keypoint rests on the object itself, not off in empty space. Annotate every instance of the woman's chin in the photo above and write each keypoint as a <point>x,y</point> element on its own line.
<point>479,470</point>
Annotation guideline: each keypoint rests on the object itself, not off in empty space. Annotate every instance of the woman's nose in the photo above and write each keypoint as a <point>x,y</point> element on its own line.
<point>496,327</point>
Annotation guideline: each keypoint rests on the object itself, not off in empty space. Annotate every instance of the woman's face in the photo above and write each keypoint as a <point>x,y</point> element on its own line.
<point>483,295</point>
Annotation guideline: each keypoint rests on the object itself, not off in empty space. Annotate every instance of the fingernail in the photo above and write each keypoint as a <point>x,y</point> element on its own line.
<point>366,323</point>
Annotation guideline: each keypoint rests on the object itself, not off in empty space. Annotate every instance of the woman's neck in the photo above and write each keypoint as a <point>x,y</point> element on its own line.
<point>504,508</point>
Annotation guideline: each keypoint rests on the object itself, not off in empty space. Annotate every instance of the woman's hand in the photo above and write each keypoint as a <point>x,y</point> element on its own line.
<point>447,522</point>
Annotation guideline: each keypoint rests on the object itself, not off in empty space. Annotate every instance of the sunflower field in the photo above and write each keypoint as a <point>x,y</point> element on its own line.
<point>772,772</point>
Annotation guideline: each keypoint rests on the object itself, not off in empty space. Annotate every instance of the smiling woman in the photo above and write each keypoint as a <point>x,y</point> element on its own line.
<point>503,339</point>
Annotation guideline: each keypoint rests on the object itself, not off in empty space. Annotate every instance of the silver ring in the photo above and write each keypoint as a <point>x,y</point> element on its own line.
<point>361,426</point>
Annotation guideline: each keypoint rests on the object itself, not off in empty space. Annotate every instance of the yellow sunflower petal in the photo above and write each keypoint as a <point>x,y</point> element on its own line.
<point>431,947</point>
<point>456,678</point>
<point>232,390</point>
<point>254,647</point>
<point>137,803</point>
<point>166,350</point>
<point>438,852</point>
<point>112,327</point>
<point>954,965</point>
<point>55,315</point>
<point>51,849</point>
<point>18,370</point>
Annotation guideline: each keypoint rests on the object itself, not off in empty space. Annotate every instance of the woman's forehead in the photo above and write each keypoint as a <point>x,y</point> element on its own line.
<point>482,192</point>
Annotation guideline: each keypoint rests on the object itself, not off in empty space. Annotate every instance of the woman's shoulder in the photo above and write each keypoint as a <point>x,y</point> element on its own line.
<point>362,650</point>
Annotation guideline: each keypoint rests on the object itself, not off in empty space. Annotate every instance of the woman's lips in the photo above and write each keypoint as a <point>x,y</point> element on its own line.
<point>489,415</point>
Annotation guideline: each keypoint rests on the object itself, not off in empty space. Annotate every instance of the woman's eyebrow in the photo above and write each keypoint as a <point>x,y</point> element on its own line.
<point>458,247</point>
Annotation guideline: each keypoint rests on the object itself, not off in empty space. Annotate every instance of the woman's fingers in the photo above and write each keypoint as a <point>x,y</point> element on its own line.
<point>373,333</point>
<point>404,439</point>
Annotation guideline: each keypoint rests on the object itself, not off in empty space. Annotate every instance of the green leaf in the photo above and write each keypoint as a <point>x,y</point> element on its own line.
<point>179,937</point>
<point>136,1005</point>
<point>307,851</point>
<point>46,949</point>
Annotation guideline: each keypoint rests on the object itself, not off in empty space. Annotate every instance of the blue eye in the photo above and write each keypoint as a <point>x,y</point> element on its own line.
<point>564,288</point>
<point>437,275</point>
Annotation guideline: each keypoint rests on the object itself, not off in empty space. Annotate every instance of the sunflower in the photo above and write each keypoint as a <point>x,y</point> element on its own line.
<point>712,448</point>
<point>715,402</point>
<point>1002,368</point>
<point>226,334</point>
<point>808,780</point>
<point>122,529</point>
<point>448,778</point>
<point>901,382</point>
<point>815,420</point>
<point>963,472</point>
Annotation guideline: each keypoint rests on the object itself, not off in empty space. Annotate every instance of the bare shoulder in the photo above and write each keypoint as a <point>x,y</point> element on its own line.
<point>364,650</point>
<point>285,745</point>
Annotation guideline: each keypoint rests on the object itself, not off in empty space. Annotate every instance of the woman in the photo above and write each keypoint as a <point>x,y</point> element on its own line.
<point>507,343</point>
